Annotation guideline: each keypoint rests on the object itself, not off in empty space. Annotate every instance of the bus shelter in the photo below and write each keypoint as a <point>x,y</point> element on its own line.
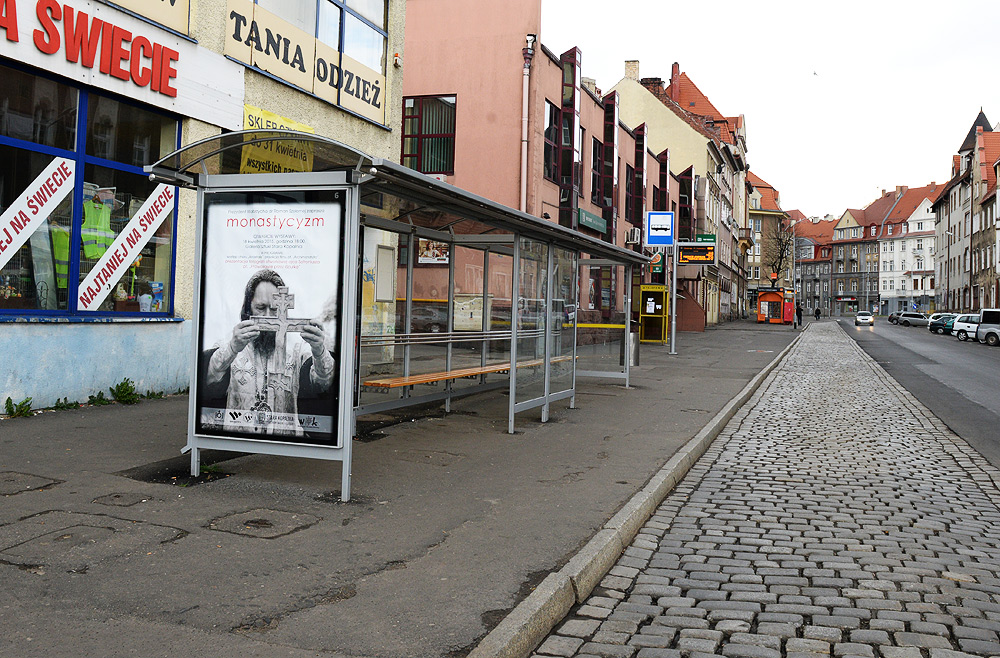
<point>408,290</point>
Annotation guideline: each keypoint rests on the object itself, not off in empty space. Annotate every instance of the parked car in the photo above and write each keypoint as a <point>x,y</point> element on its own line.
<point>910,319</point>
<point>935,316</point>
<point>864,317</point>
<point>965,326</point>
<point>429,319</point>
<point>893,317</point>
<point>941,324</point>
<point>988,330</point>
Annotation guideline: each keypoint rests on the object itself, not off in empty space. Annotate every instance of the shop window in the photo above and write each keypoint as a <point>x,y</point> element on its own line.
<point>35,276</point>
<point>127,134</point>
<point>355,27</point>
<point>429,134</point>
<point>81,216</point>
<point>300,13</point>
<point>111,198</point>
<point>37,110</point>
<point>364,43</point>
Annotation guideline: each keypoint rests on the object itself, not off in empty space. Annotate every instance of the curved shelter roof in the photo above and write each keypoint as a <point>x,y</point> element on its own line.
<point>433,204</point>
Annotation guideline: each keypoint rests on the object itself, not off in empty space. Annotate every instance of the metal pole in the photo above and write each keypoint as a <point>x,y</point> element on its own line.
<point>673,300</point>
<point>411,253</point>
<point>628,321</point>
<point>486,318</point>
<point>548,330</point>
<point>450,322</point>
<point>515,294</point>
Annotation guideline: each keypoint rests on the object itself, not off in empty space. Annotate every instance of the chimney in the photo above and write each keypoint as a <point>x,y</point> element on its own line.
<point>654,85</point>
<point>956,165</point>
<point>632,69</point>
<point>901,190</point>
<point>590,84</point>
<point>675,75</point>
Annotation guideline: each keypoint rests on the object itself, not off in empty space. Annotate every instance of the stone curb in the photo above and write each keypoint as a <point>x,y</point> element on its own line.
<point>528,624</point>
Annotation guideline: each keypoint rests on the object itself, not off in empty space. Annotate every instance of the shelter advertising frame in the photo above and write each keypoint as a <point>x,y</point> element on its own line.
<point>293,397</point>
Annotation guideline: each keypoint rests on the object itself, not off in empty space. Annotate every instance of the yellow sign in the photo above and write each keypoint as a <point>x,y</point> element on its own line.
<point>261,39</point>
<point>174,14</point>
<point>271,157</point>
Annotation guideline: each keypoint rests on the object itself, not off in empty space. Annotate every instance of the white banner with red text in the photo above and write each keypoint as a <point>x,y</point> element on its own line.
<point>24,216</point>
<point>112,266</point>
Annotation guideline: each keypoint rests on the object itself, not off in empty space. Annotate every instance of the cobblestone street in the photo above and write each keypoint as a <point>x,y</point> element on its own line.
<point>833,516</point>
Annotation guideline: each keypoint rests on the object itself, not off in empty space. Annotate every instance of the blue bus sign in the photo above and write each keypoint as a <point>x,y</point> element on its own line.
<point>659,228</point>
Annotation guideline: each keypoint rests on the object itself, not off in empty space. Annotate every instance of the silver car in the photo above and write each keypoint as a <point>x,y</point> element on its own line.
<point>864,317</point>
<point>908,319</point>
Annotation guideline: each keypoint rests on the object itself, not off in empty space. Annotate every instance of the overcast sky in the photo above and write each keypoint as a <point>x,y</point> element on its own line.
<point>841,100</point>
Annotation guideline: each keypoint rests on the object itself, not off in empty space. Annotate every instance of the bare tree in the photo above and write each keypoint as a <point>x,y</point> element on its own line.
<point>776,250</point>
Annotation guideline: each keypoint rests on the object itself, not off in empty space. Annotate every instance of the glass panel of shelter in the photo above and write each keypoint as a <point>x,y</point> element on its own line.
<point>447,307</point>
<point>531,317</point>
<point>601,318</point>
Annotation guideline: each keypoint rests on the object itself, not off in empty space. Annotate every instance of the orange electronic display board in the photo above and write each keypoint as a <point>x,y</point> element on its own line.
<point>703,253</point>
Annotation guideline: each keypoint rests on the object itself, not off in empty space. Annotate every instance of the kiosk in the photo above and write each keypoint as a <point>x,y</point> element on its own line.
<point>654,304</point>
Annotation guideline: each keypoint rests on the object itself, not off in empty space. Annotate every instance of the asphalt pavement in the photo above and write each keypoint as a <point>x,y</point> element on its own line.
<point>107,548</point>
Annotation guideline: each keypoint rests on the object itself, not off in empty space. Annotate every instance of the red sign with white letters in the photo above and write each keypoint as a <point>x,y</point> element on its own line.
<point>90,41</point>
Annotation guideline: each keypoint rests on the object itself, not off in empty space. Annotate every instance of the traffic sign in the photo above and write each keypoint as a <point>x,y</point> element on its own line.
<point>659,227</point>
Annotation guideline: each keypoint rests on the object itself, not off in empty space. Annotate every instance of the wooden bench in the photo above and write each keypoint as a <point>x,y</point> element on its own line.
<point>387,383</point>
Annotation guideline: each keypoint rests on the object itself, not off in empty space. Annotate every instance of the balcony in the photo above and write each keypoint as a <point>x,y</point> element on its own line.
<point>745,239</point>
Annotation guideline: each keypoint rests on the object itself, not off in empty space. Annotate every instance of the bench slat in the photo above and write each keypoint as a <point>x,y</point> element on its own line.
<point>431,377</point>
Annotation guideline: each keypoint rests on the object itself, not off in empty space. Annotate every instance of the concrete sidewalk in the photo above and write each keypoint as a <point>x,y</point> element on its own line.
<point>453,522</point>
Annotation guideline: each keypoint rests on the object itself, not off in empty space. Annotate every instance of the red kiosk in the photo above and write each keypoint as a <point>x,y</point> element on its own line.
<point>775,305</point>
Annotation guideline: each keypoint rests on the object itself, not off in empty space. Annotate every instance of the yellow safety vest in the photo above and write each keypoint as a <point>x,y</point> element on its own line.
<point>97,233</point>
<point>60,254</point>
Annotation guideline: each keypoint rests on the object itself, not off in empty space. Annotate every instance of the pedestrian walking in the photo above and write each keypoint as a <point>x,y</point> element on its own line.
<point>798,315</point>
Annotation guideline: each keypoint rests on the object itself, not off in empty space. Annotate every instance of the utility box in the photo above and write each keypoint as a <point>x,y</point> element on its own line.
<point>653,313</point>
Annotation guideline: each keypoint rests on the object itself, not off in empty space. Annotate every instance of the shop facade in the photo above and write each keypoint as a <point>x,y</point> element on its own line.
<point>96,259</point>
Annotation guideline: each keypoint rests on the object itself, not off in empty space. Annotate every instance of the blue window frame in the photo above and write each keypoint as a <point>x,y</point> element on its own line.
<point>108,140</point>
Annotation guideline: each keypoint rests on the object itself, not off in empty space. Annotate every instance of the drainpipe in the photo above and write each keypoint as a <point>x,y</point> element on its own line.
<point>528,54</point>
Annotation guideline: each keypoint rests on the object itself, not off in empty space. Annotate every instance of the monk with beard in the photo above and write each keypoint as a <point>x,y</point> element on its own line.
<point>243,367</point>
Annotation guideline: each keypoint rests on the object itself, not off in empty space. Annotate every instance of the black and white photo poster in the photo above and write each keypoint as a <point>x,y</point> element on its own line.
<point>268,357</point>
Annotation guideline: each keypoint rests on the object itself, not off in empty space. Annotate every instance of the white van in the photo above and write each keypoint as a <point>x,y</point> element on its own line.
<point>988,330</point>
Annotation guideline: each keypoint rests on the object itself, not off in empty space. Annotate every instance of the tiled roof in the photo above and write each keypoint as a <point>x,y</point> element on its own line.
<point>876,211</point>
<point>911,199</point>
<point>820,231</point>
<point>768,195</point>
<point>991,140</point>
<point>655,87</point>
<point>690,98</point>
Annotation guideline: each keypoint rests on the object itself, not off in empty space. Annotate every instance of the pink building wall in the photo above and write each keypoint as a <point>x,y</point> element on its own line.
<point>474,51</point>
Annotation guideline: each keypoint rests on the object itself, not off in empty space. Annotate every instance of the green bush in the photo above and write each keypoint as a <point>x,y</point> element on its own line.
<point>20,410</point>
<point>153,395</point>
<point>98,399</point>
<point>124,392</point>
<point>63,404</point>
